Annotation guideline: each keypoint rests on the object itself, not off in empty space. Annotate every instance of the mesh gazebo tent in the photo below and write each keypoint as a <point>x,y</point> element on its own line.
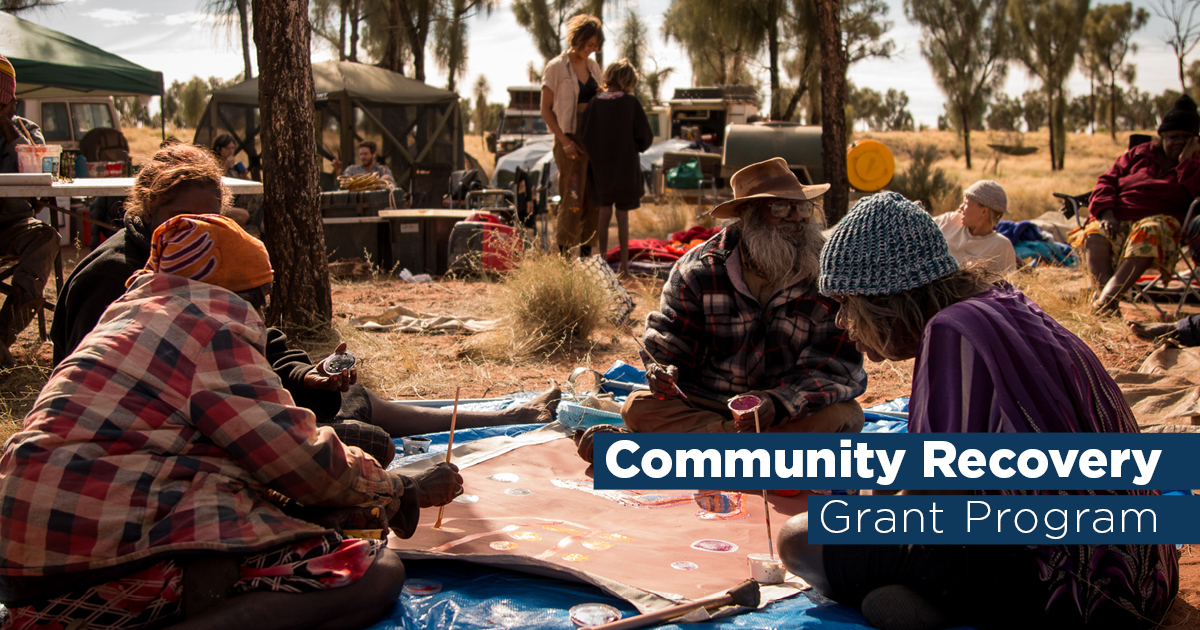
<point>415,125</point>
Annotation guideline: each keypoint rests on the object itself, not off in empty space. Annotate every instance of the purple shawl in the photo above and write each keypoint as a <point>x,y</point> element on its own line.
<point>995,363</point>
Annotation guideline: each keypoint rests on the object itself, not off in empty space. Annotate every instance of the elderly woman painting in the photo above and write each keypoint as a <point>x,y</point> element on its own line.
<point>976,345</point>
<point>568,84</point>
<point>164,476</point>
<point>1138,205</point>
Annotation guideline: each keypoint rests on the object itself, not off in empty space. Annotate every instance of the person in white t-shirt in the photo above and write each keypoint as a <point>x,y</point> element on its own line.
<point>970,231</point>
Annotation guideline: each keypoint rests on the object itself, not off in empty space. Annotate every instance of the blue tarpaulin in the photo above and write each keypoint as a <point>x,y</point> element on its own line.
<point>476,597</point>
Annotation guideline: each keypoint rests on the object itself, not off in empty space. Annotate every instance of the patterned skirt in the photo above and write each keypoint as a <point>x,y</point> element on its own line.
<point>153,597</point>
<point>1155,237</point>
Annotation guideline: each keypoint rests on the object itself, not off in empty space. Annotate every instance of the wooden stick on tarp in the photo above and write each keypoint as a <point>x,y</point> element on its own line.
<point>449,448</point>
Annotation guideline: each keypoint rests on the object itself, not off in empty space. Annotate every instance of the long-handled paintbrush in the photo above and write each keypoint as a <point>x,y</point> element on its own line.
<point>648,356</point>
<point>766,505</point>
<point>449,449</point>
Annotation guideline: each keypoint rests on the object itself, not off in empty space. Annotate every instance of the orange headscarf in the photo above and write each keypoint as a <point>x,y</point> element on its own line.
<point>208,248</point>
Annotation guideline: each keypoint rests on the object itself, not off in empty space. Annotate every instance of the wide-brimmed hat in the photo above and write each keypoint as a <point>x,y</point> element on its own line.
<point>771,179</point>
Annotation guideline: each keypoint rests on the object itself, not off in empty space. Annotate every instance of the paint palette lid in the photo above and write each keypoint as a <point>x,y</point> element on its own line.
<point>869,165</point>
<point>593,614</point>
<point>422,588</point>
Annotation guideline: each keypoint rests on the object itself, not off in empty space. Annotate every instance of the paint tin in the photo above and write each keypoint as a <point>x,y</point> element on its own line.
<point>766,569</point>
<point>422,588</point>
<point>743,406</point>
<point>415,445</point>
<point>337,362</point>
<point>584,615</point>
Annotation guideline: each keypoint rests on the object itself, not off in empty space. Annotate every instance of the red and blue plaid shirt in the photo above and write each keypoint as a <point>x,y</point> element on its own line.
<point>725,343</point>
<point>167,431</point>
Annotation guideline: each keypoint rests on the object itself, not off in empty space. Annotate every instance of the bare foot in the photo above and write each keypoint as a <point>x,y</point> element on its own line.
<point>1110,307</point>
<point>540,409</point>
<point>1151,331</point>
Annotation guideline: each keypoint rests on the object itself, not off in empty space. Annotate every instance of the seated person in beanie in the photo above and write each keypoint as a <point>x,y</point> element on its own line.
<point>165,476</point>
<point>903,296</point>
<point>183,179</point>
<point>1138,206</point>
<point>741,315</point>
<point>970,231</point>
<point>34,243</point>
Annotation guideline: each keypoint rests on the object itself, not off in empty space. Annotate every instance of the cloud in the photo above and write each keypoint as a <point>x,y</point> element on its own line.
<point>179,19</point>
<point>116,17</point>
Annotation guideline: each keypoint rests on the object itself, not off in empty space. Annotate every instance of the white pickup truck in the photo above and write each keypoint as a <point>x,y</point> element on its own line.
<point>65,120</point>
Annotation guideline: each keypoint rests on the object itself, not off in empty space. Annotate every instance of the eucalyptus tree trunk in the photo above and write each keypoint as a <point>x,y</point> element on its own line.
<point>243,7</point>
<point>833,109</point>
<point>300,300</point>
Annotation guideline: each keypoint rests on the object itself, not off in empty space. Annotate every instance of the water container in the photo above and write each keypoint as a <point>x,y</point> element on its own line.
<point>81,166</point>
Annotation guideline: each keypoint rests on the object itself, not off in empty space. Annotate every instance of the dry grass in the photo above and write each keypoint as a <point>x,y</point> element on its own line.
<point>660,220</point>
<point>1027,179</point>
<point>546,306</point>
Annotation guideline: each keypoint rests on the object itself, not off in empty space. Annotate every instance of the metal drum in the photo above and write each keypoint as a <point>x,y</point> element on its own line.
<point>799,144</point>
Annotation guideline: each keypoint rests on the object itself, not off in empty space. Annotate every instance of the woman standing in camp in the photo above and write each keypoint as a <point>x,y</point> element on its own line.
<point>569,82</point>
<point>614,131</point>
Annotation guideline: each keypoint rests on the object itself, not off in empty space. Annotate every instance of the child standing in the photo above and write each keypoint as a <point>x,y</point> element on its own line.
<point>614,131</point>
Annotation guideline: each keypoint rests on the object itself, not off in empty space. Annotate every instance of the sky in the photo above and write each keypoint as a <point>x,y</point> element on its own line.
<point>180,39</point>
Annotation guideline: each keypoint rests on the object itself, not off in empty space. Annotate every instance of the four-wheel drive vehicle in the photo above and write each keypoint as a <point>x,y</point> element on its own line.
<point>65,120</point>
<point>521,122</point>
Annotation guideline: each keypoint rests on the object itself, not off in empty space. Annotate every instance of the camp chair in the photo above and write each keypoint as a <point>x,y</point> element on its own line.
<point>1178,283</point>
<point>8,266</point>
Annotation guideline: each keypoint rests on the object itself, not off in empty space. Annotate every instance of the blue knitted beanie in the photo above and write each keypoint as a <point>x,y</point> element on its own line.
<point>885,245</point>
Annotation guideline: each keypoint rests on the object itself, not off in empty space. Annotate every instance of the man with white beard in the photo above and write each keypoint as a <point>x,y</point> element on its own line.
<point>740,315</point>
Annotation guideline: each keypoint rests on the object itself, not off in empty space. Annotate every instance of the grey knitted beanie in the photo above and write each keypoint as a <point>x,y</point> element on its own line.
<point>886,244</point>
<point>988,194</point>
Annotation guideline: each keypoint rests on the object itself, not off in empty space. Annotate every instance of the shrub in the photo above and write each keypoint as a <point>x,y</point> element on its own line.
<point>924,183</point>
<point>546,306</point>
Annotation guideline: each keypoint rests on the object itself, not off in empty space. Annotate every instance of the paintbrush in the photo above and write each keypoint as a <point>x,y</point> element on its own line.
<point>449,449</point>
<point>648,356</point>
<point>28,136</point>
<point>766,506</point>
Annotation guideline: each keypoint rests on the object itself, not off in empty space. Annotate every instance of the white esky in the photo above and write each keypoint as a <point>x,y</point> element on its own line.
<point>179,39</point>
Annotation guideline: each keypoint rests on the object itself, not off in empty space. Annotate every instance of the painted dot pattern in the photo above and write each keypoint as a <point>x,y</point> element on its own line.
<point>504,478</point>
<point>715,546</point>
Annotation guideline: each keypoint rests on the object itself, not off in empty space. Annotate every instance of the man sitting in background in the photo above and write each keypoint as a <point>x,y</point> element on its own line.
<point>34,243</point>
<point>366,156</point>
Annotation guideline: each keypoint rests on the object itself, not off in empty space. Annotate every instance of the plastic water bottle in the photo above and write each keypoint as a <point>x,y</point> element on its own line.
<point>81,166</point>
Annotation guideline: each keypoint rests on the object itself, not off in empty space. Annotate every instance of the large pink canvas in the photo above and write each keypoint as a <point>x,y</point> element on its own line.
<point>537,510</point>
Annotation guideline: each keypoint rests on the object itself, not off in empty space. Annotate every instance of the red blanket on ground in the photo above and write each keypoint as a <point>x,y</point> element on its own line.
<point>660,250</point>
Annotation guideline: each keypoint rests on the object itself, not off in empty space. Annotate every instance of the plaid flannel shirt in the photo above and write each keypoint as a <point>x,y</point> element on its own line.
<point>167,431</point>
<point>725,343</point>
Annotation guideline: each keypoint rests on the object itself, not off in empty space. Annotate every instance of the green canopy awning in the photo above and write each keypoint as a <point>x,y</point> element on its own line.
<point>50,63</point>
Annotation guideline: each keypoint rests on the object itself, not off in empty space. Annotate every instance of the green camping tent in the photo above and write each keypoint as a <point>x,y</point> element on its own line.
<point>50,63</point>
